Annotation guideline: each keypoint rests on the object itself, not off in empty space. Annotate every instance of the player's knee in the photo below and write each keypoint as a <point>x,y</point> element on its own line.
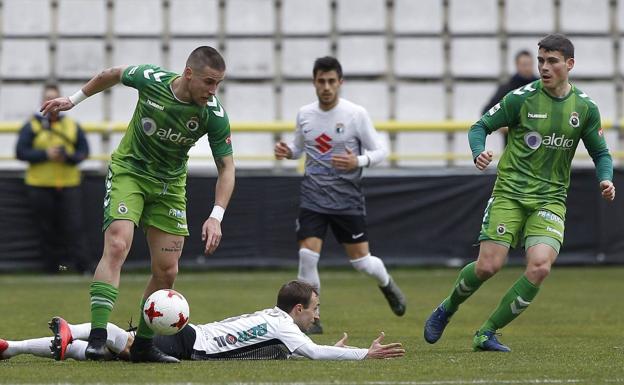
<point>485,270</point>
<point>538,272</point>
<point>116,250</point>
<point>165,274</point>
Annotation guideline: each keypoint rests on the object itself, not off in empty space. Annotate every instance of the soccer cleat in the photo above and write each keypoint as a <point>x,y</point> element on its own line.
<point>394,296</point>
<point>3,346</point>
<point>435,324</point>
<point>97,350</point>
<point>62,337</point>
<point>143,350</point>
<point>486,341</point>
<point>316,328</point>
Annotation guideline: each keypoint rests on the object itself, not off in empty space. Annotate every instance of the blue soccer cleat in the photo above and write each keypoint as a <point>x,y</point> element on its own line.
<point>487,341</point>
<point>437,321</point>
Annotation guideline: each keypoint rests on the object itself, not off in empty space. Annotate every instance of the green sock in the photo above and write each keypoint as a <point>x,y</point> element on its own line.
<point>143,330</point>
<point>517,298</point>
<point>467,283</point>
<point>103,297</point>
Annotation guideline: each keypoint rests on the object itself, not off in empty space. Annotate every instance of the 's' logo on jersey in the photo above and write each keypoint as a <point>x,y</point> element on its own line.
<point>322,143</point>
<point>574,119</point>
<point>193,124</point>
<point>149,126</point>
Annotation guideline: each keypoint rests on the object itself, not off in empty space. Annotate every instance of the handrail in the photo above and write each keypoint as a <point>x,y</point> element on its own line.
<point>281,127</point>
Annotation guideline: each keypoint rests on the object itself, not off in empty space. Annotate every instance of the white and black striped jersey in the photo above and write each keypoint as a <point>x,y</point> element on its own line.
<point>322,134</point>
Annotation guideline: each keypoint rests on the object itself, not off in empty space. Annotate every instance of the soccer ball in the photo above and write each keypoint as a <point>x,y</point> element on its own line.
<point>166,312</point>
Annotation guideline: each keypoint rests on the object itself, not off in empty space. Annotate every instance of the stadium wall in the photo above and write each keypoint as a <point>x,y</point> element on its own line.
<point>413,220</point>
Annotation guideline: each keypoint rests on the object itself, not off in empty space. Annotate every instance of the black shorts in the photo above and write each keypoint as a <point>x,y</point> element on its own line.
<point>346,228</point>
<point>179,345</point>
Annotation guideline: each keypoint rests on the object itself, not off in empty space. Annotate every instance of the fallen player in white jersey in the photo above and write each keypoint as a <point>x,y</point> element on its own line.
<point>276,333</point>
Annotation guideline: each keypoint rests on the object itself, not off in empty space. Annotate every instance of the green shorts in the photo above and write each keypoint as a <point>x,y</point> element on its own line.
<point>146,201</point>
<point>511,221</point>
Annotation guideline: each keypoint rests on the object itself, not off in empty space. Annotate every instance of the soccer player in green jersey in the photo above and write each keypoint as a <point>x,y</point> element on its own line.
<point>546,118</point>
<point>146,182</point>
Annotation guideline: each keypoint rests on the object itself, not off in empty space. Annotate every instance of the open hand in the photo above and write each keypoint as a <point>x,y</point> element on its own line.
<point>377,350</point>
<point>56,105</point>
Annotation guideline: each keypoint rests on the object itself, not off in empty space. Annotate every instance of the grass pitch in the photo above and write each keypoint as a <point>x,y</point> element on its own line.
<point>571,334</point>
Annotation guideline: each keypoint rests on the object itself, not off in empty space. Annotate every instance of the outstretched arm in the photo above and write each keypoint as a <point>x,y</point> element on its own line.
<point>211,230</point>
<point>342,352</point>
<point>100,82</point>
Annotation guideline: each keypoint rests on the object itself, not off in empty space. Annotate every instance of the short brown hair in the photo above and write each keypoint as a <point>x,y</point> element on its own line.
<point>205,56</point>
<point>294,293</point>
<point>557,42</point>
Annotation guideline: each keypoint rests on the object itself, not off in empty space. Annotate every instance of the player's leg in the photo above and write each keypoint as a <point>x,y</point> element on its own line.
<point>123,207</point>
<point>501,224</point>
<point>68,339</point>
<point>352,233</point>
<point>311,228</point>
<point>544,231</point>
<point>165,250</point>
<point>39,347</point>
<point>104,288</point>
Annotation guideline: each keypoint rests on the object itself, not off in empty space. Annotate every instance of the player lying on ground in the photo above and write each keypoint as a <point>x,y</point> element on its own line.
<point>276,333</point>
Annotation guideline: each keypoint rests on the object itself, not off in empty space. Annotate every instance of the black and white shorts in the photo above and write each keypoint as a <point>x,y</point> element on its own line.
<point>346,228</point>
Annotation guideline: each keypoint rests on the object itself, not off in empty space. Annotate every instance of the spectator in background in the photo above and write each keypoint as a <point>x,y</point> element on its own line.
<point>53,146</point>
<point>524,75</point>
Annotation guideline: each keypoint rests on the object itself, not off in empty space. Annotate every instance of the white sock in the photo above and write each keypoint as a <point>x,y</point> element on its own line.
<point>37,346</point>
<point>116,339</point>
<point>76,350</point>
<point>80,331</point>
<point>308,268</point>
<point>373,267</point>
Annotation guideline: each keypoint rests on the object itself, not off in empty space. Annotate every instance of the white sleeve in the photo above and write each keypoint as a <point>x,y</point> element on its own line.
<point>376,151</point>
<point>296,146</point>
<point>324,352</point>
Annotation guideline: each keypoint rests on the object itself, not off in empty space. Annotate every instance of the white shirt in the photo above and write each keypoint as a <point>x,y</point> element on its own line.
<point>270,326</point>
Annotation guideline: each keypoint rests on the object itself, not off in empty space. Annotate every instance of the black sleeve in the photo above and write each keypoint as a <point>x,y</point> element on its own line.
<point>500,93</point>
<point>82,148</point>
<point>24,149</point>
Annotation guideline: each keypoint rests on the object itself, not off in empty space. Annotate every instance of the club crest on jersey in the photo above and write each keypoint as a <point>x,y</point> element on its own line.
<point>574,119</point>
<point>122,208</point>
<point>501,229</point>
<point>339,128</point>
<point>533,140</point>
<point>193,124</point>
<point>149,126</point>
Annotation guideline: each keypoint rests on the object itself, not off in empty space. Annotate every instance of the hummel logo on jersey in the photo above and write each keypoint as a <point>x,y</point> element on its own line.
<point>356,236</point>
<point>322,143</point>
<point>155,105</point>
<point>532,115</point>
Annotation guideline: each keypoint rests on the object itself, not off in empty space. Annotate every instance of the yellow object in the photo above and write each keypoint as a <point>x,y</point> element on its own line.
<point>48,173</point>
